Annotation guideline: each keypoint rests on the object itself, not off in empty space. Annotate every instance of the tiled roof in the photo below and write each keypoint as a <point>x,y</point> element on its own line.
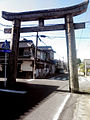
<point>24,44</point>
<point>47,48</point>
<point>28,43</point>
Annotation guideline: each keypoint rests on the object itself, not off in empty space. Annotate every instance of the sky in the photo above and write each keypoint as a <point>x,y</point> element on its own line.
<point>56,39</point>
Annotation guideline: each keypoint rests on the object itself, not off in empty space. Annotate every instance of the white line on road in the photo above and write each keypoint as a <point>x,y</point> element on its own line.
<point>13,91</point>
<point>61,108</point>
<point>63,78</point>
<point>58,78</point>
<point>30,79</point>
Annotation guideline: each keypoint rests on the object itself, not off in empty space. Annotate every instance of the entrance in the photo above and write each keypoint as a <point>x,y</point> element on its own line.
<point>67,13</point>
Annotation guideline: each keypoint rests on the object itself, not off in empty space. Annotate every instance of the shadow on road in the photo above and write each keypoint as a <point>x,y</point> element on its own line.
<point>14,106</point>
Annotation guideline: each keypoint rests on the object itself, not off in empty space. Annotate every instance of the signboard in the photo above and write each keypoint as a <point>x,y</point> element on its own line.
<point>6,45</point>
<point>6,51</point>
<point>5,48</point>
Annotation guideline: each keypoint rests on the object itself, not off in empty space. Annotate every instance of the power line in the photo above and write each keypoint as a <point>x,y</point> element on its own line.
<point>5,25</point>
<point>42,41</point>
<point>30,24</point>
<point>56,37</point>
<point>87,22</point>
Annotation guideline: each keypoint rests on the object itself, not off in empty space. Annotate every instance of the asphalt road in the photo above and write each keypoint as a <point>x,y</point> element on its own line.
<point>42,101</point>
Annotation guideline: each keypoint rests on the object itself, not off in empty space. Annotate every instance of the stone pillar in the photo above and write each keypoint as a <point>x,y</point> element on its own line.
<point>35,58</point>
<point>13,58</point>
<point>67,45</point>
<point>71,49</point>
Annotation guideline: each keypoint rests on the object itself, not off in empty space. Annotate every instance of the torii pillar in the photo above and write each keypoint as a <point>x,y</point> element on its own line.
<point>68,13</point>
<point>72,59</point>
<point>13,57</point>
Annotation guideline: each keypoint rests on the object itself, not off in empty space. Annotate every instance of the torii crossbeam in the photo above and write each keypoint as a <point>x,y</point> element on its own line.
<point>40,16</point>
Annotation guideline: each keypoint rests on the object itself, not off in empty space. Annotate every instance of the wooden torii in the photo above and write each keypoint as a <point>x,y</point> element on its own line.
<point>68,13</point>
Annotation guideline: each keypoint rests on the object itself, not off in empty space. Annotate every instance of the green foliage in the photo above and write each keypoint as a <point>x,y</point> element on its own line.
<point>82,67</point>
<point>78,61</point>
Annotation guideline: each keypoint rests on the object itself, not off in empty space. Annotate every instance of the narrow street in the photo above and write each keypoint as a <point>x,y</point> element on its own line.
<point>41,102</point>
<point>45,99</point>
<point>55,91</point>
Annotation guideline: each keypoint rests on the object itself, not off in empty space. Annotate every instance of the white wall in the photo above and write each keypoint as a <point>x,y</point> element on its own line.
<point>26,66</point>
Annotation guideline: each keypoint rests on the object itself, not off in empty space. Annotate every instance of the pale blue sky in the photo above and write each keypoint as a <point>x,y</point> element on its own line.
<point>58,44</point>
<point>22,5</point>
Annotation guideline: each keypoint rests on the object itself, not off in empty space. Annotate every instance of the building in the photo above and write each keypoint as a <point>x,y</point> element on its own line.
<point>45,64</point>
<point>60,66</point>
<point>87,66</point>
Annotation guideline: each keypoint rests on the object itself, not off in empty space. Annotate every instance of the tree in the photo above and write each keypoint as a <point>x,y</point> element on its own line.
<point>82,67</point>
<point>78,61</point>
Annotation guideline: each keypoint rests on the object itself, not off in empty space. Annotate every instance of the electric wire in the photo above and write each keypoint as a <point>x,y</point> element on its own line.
<point>51,37</point>
<point>5,25</point>
<point>88,38</point>
<point>42,41</point>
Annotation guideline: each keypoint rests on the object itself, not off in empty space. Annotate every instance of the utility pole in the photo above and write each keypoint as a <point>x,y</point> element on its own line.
<point>35,58</point>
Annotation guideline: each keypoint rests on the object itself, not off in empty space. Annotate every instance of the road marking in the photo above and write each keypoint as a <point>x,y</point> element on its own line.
<point>31,80</point>
<point>63,78</point>
<point>13,91</point>
<point>58,78</point>
<point>61,108</point>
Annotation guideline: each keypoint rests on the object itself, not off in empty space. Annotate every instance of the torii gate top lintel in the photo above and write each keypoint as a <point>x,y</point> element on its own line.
<point>47,14</point>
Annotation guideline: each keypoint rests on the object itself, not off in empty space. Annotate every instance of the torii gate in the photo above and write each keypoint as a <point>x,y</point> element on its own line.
<point>40,16</point>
